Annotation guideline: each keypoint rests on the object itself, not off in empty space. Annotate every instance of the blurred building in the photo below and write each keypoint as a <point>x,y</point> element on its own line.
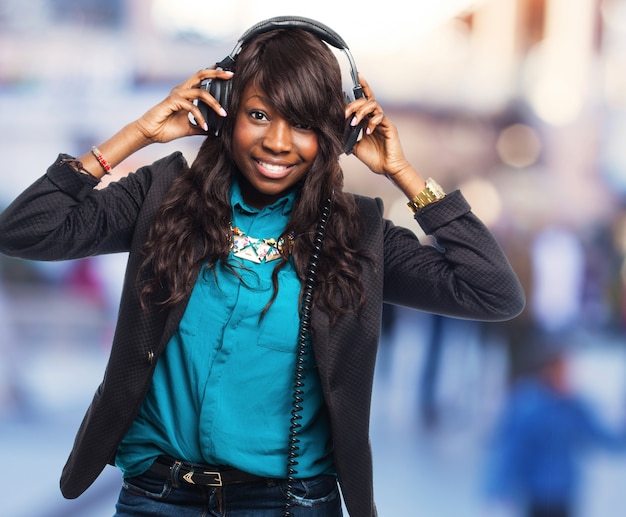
<point>518,102</point>
<point>521,103</point>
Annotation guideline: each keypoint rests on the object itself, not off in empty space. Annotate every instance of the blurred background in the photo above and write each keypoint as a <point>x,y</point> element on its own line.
<point>519,103</point>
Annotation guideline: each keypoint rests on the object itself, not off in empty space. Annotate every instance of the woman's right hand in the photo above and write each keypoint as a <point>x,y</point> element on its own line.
<point>166,121</point>
<point>169,119</point>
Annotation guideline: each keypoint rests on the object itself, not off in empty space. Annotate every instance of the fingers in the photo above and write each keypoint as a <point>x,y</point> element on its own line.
<point>193,92</point>
<point>365,108</point>
<point>206,73</point>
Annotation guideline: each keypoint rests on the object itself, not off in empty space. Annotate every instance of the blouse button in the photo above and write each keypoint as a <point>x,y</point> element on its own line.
<point>150,356</point>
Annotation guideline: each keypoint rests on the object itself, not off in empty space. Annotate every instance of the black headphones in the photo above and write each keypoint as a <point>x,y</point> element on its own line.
<point>220,89</point>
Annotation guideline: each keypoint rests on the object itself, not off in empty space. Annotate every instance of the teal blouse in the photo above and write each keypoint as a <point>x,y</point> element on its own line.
<point>222,389</point>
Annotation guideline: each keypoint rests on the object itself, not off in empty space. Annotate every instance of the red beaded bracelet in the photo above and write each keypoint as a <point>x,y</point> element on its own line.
<point>101,160</point>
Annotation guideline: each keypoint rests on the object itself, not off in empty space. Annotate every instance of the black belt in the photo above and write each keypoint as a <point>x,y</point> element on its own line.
<point>201,475</point>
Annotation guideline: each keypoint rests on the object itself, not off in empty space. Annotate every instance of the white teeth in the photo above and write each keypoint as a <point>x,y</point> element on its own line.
<point>272,167</point>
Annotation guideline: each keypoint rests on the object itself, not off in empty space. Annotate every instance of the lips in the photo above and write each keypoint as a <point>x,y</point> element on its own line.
<point>273,170</point>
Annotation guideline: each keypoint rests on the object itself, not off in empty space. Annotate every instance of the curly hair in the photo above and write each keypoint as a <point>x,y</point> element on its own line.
<point>301,77</point>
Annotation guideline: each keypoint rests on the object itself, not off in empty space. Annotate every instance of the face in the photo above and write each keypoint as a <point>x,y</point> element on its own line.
<point>271,152</point>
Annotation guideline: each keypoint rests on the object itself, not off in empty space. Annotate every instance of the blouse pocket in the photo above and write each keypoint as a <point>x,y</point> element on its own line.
<point>278,330</point>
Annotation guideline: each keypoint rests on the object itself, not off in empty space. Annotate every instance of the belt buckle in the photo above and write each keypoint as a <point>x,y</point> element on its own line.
<point>217,476</point>
<point>188,477</point>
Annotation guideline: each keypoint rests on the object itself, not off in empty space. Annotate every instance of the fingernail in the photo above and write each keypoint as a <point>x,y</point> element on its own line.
<point>368,131</point>
<point>223,112</point>
<point>206,126</point>
<point>353,121</point>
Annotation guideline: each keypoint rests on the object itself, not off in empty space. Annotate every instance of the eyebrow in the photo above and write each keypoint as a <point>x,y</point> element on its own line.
<point>256,96</point>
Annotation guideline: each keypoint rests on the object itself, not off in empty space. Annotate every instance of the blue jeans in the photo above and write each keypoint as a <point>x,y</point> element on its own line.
<point>150,495</point>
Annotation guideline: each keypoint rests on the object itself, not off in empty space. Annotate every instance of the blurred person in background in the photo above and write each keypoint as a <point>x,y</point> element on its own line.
<point>238,264</point>
<point>541,437</point>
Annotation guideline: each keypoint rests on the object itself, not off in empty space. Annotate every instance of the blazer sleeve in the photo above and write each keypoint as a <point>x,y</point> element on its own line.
<point>61,216</point>
<point>465,274</point>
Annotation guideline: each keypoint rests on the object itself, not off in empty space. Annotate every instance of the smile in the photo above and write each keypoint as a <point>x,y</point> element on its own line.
<point>273,170</point>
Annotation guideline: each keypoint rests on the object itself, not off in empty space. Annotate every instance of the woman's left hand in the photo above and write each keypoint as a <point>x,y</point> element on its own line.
<point>379,148</point>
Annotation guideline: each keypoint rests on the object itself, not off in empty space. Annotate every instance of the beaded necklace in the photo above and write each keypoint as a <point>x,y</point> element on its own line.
<point>259,250</point>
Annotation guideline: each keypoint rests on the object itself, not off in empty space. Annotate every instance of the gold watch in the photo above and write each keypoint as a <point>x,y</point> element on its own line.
<point>433,192</point>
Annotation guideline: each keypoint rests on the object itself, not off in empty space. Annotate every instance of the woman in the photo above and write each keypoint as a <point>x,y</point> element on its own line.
<point>240,376</point>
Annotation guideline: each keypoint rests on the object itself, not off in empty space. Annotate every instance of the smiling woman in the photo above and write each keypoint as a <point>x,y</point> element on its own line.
<point>241,371</point>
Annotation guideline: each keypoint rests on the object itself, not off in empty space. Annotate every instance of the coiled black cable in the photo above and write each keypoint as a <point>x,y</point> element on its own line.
<point>301,353</point>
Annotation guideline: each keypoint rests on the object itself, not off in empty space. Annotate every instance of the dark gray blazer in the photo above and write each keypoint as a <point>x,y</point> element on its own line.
<point>61,216</point>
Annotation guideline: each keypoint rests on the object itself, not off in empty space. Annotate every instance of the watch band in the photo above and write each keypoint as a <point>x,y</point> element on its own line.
<point>433,192</point>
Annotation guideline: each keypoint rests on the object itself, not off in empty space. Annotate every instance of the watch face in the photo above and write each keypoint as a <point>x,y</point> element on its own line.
<point>435,188</point>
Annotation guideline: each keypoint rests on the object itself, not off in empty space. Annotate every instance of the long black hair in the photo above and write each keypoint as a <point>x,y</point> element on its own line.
<point>301,78</point>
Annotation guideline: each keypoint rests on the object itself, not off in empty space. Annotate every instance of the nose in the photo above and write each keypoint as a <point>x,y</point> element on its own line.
<point>277,138</point>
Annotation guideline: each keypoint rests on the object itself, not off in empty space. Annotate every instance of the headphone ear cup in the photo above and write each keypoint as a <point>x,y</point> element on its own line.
<point>220,90</point>
<point>351,134</point>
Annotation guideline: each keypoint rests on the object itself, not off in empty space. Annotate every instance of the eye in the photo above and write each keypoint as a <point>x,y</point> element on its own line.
<point>303,127</point>
<point>258,115</point>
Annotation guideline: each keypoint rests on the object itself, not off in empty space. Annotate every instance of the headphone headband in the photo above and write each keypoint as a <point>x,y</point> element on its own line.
<point>319,29</point>
<point>322,31</point>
